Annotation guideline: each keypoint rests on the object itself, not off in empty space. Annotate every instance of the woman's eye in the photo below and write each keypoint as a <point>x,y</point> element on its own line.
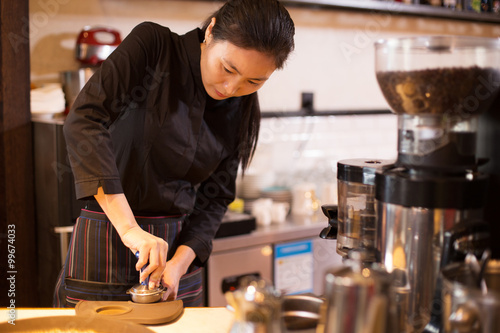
<point>227,70</point>
<point>254,83</point>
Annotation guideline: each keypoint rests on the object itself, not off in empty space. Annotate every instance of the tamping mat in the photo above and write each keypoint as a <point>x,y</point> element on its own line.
<point>147,314</point>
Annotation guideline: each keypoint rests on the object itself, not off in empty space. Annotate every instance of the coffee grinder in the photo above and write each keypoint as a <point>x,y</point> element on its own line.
<point>438,86</point>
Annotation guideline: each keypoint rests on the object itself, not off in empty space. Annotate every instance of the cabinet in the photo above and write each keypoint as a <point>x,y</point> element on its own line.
<point>55,201</point>
<point>224,269</point>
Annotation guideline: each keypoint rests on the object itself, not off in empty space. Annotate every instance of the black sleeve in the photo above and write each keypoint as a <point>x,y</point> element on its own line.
<point>217,192</point>
<point>108,95</point>
<point>213,197</point>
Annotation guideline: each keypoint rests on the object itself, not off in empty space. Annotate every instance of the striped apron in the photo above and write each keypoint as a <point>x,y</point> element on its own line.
<point>99,267</point>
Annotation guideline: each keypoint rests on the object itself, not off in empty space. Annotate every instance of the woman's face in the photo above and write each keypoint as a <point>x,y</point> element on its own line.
<point>231,71</point>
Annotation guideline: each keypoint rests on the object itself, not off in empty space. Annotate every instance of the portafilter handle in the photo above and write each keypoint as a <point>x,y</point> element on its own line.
<point>330,212</point>
<point>146,281</point>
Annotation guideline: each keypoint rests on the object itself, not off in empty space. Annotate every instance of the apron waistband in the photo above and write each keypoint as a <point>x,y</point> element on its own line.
<point>94,211</point>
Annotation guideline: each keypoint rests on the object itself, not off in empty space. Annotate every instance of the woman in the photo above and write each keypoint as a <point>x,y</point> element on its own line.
<point>155,140</point>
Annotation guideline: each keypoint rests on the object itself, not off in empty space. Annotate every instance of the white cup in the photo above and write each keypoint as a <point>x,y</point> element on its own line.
<point>279,211</point>
<point>262,210</point>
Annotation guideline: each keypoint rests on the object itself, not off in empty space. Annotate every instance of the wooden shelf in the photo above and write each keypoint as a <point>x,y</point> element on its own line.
<point>399,8</point>
<point>312,113</point>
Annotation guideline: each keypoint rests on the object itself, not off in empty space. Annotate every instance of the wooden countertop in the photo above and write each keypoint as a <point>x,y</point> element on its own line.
<point>193,320</point>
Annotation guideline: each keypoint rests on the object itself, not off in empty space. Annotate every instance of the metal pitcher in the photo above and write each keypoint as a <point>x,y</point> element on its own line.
<point>468,307</point>
<point>257,307</point>
<point>358,299</point>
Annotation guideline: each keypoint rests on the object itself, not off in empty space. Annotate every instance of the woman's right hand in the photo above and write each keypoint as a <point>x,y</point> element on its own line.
<point>152,252</point>
<point>152,249</point>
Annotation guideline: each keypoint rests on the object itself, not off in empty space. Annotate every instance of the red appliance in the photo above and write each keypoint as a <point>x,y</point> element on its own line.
<point>95,44</point>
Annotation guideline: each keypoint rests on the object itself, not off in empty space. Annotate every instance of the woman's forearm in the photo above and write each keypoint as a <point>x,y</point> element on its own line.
<point>117,209</point>
<point>153,250</point>
<point>183,257</point>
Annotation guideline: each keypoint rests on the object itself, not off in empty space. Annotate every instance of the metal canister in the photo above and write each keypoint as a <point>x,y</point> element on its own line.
<point>466,306</point>
<point>74,81</point>
<point>356,203</point>
<point>358,298</point>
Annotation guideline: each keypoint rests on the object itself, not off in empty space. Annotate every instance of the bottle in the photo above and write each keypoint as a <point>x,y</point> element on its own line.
<point>476,6</point>
<point>460,5</point>
<point>486,6</point>
<point>496,6</point>
<point>452,4</point>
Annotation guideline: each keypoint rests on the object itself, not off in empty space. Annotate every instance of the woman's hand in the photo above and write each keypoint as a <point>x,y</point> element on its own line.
<point>152,252</point>
<point>175,269</point>
<point>152,249</point>
<point>170,280</point>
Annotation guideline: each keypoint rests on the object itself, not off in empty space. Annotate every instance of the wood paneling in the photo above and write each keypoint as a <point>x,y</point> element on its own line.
<point>16,161</point>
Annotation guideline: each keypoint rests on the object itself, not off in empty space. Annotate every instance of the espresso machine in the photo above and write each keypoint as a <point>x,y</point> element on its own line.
<point>435,194</point>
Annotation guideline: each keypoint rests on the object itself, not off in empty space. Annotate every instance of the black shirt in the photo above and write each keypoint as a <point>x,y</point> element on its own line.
<point>143,125</point>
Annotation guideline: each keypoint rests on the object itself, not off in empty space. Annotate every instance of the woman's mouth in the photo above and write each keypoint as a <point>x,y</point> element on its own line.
<point>219,94</point>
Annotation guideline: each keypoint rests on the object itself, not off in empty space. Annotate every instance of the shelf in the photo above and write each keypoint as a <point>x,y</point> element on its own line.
<point>312,113</point>
<point>399,8</point>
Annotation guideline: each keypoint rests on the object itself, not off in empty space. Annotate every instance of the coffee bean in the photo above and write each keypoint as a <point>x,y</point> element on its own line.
<point>454,90</point>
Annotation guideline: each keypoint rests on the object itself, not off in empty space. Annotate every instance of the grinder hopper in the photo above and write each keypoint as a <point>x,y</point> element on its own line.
<point>438,86</point>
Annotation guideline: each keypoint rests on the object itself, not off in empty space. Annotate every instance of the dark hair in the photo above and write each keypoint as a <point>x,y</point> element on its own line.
<point>261,25</point>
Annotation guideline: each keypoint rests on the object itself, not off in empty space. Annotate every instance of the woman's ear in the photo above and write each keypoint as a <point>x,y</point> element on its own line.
<point>208,32</point>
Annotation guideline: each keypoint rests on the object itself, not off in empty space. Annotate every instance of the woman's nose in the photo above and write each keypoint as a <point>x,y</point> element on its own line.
<point>231,87</point>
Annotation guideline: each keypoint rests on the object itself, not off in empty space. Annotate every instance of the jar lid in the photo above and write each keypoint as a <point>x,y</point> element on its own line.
<point>361,170</point>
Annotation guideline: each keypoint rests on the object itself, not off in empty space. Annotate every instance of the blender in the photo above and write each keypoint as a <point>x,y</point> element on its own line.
<point>438,86</point>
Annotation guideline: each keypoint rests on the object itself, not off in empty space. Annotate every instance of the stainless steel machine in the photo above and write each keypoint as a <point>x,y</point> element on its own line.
<point>435,204</point>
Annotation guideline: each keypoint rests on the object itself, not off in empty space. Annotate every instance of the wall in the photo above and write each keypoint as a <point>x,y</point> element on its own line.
<point>334,55</point>
<point>307,149</point>
<point>334,59</point>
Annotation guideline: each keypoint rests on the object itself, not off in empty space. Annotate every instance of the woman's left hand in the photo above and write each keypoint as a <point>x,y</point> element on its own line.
<point>170,280</point>
<point>175,268</point>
